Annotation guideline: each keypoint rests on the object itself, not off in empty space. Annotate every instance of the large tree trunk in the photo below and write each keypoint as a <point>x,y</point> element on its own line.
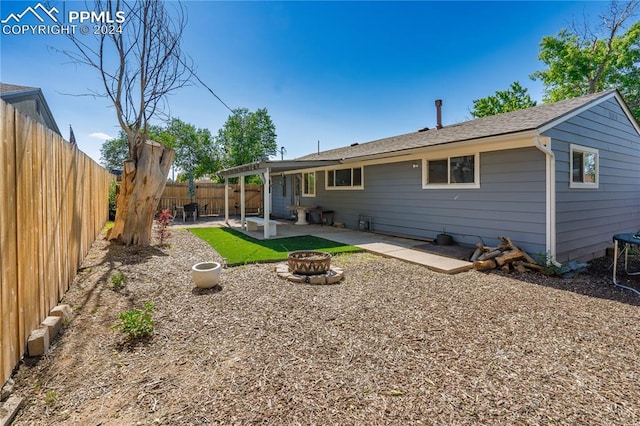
<point>140,191</point>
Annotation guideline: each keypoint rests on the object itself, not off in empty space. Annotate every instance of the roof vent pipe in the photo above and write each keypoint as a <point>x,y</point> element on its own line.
<point>439,113</point>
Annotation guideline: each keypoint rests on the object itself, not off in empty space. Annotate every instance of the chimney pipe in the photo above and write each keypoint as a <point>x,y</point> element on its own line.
<point>439,113</point>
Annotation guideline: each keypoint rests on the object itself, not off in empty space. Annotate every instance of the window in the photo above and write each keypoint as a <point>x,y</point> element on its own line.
<point>350,178</point>
<point>309,184</point>
<point>451,171</point>
<point>584,167</point>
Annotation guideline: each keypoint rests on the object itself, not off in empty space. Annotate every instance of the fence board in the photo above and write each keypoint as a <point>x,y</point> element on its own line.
<point>9,341</point>
<point>55,202</point>
<point>210,196</point>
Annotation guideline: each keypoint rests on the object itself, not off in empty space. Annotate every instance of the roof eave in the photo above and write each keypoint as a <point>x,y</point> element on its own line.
<point>485,140</point>
<point>277,166</point>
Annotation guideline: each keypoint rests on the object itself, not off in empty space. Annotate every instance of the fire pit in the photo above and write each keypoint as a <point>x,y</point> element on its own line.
<point>307,262</point>
<point>310,267</point>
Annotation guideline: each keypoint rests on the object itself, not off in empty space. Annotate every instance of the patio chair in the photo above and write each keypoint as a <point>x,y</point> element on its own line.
<point>191,209</point>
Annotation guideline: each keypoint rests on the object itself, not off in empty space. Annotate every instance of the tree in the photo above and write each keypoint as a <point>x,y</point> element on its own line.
<point>196,151</point>
<point>503,101</point>
<point>139,64</point>
<point>583,61</point>
<point>114,152</point>
<point>247,137</point>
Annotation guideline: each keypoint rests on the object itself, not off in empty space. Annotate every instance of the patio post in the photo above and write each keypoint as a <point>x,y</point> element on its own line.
<point>226,200</point>
<point>243,225</point>
<point>267,205</point>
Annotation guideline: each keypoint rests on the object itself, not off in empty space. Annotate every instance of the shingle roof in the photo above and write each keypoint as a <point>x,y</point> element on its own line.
<point>501,124</point>
<point>6,88</point>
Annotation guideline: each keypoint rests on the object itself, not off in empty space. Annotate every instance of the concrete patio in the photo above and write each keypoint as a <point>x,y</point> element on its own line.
<point>384,245</point>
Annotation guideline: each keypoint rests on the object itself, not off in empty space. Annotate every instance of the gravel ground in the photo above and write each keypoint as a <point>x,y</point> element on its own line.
<point>392,344</point>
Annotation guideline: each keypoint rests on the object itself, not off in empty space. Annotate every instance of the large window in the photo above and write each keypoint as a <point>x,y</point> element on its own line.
<point>584,167</point>
<point>309,184</point>
<point>350,178</point>
<point>446,172</point>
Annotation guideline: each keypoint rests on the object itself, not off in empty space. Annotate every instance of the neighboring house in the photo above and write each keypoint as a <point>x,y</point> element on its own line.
<point>559,179</point>
<point>29,101</point>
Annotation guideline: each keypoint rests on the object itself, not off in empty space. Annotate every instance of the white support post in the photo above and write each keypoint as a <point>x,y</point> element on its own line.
<point>226,200</point>
<point>243,224</point>
<point>267,205</point>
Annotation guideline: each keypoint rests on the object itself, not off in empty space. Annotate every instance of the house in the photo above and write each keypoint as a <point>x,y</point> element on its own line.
<point>29,101</point>
<point>559,179</point>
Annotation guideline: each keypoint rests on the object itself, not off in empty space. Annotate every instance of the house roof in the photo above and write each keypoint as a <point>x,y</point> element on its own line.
<point>538,118</point>
<point>13,92</point>
<point>10,90</point>
<point>523,120</point>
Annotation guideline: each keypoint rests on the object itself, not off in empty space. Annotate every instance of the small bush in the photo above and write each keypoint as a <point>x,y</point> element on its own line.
<point>118,279</point>
<point>136,324</point>
<point>163,220</point>
<point>546,261</point>
<point>113,192</point>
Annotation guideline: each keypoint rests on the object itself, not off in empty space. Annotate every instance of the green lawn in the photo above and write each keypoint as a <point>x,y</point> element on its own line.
<point>240,249</point>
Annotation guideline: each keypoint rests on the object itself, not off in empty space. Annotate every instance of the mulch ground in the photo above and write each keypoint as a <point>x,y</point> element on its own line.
<point>393,343</point>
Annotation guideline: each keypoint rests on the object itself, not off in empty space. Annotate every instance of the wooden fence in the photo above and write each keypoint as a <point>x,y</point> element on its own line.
<point>210,197</point>
<point>53,204</point>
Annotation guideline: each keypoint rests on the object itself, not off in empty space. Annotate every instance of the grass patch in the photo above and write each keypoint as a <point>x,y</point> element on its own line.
<point>240,249</point>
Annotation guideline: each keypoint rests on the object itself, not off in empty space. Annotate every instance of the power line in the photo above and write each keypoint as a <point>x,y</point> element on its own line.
<point>211,91</point>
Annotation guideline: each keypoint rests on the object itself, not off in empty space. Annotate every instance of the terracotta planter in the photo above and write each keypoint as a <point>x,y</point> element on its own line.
<point>306,262</point>
<point>206,274</point>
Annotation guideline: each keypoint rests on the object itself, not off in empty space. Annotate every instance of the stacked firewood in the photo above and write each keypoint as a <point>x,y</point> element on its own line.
<point>505,256</point>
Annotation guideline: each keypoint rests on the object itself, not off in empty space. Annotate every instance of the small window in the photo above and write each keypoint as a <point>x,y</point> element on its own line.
<point>584,167</point>
<point>309,184</point>
<point>350,178</point>
<point>459,171</point>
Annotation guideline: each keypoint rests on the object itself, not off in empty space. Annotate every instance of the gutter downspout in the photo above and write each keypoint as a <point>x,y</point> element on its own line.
<point>543,143</point>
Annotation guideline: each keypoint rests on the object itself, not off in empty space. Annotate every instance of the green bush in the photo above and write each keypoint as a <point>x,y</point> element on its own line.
<point>136,324</point>
<point>118,279</point>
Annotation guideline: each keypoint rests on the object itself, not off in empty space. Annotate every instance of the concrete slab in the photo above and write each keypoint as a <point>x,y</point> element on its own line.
<point>445,265</point>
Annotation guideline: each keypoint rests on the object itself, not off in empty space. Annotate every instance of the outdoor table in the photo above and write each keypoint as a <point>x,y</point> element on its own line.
<point>625,241</point>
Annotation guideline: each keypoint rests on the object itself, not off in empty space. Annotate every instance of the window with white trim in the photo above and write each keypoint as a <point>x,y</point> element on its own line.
<point>455,171</point>
<point>584,167</point>
<point>349,178</point>
<point>309,184</point>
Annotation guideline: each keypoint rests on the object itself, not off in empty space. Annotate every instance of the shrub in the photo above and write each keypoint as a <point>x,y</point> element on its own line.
<point>113,192</point>
<point>163,220</point>
<point>118,279</point>
<point>136,324</point>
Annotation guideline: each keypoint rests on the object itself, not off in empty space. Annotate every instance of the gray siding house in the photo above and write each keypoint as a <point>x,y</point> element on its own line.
<point>559,179</point>
<point>31,102</point>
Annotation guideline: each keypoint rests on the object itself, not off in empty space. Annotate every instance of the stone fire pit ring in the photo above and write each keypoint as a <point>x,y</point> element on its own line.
<point>309,262</point>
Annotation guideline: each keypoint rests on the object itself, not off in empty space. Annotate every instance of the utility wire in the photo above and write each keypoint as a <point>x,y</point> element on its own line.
<point>211,91</point>
<point>203,83</point>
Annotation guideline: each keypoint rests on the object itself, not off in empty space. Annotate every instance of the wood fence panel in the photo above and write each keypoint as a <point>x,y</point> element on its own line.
<point>27,248</point>
<point>54,204</point>
<point>210,196</point>
<point>9,341</point>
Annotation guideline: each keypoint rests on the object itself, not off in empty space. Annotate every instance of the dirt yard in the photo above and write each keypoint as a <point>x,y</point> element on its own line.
<point>392,344</point>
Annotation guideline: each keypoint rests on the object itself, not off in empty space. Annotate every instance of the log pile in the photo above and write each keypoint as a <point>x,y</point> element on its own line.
<point>506,256</point>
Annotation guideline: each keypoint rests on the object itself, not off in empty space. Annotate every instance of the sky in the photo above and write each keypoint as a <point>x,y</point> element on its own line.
<point>329,73</point>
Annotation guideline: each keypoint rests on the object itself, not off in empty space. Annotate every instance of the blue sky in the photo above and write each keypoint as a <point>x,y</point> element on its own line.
<point>334,72</point>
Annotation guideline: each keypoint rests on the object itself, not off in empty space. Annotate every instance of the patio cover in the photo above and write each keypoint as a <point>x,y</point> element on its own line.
<point>264,168</point>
